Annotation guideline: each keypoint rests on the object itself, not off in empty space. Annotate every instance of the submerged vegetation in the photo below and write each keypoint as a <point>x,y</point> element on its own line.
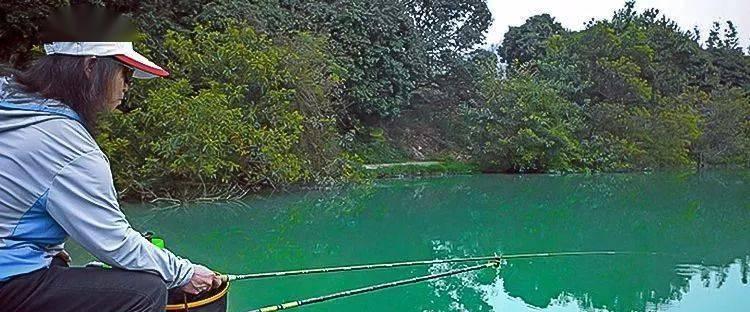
<point>268,93</point>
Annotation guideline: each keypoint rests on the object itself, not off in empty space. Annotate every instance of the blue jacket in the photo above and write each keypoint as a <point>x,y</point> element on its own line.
<point>56,183</point>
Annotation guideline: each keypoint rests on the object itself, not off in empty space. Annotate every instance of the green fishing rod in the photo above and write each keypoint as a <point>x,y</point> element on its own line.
<point>232,277</point>
<point>352,292</point>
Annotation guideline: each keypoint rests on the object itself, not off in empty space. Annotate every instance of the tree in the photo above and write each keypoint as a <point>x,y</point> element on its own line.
<point>448,28</point>
<point>725,138</point>
<point>729,66</point>
<point>528,42</point>
<point>389,48</point>
<point>242,111</point>
<point>265,16</point>
<point>630,76</point>
<point>526,126</point>
<point>437,112</point>
<point>714,41</point>
<point>731,39</point>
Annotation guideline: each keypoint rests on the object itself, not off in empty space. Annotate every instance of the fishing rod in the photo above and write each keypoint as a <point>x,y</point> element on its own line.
<point>232,277</point>
<point>352,292</point>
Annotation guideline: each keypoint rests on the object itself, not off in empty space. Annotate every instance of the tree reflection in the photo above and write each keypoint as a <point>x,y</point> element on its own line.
<point>688,219</point>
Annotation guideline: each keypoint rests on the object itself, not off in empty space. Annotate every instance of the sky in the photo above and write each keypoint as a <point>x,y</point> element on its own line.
<point>573,13</point>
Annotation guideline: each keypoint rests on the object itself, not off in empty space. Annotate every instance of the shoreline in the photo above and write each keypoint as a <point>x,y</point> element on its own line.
<point>412,170</point>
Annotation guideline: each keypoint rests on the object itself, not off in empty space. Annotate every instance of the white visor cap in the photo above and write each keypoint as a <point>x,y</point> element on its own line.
<point>142,67</point>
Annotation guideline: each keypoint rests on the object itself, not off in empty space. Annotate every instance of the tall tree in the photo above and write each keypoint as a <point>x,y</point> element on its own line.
<point>714,41</point>
<point>731,38</point>
<point>729,66</point>
<point>529,41</point>
<point>377,45</point>
<point>449,28</point>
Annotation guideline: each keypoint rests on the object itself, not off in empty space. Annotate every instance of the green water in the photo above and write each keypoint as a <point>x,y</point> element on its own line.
<point>699,223</point>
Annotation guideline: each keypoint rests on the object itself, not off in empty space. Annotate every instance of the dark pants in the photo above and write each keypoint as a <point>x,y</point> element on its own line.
<point>61,288</point>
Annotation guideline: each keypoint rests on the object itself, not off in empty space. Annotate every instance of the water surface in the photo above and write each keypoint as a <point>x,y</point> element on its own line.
<point>699,223</point>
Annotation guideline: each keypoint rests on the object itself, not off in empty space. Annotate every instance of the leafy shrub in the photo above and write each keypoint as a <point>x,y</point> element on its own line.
<point>243,111</point>
<point>526,126</point>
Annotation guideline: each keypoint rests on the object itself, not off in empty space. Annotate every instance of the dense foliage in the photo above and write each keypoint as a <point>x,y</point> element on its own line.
<point>526,126</point>
<point>632,92</point>
<point>243,111</point>
<point>273,92</point>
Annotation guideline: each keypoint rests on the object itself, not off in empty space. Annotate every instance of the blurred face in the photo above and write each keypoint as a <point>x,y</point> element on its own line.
<point>121,85</point>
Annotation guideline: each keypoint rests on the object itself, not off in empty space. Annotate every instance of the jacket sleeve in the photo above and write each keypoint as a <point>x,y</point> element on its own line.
<point>82,199</point>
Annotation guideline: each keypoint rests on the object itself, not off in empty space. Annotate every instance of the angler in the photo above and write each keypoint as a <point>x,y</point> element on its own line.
<point>55,183</point>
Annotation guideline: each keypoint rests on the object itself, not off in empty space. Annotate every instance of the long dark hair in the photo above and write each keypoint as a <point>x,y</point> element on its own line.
<point>62,78</point>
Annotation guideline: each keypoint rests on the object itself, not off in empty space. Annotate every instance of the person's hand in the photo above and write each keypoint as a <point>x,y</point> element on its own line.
<point>65,256</point>
<point>203,279</point>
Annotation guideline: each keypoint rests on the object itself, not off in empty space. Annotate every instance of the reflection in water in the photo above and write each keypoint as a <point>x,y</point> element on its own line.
<point>697,223</point>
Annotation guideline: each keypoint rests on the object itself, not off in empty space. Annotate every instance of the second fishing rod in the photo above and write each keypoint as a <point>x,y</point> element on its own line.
<point>374,266</point>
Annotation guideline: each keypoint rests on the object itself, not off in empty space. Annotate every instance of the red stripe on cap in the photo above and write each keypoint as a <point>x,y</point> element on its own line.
<point>140,66</point>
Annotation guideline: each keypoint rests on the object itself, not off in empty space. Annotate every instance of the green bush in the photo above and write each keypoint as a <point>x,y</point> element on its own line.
<point>243,111</point>
<point>526,126</point>
<point>662,136</point>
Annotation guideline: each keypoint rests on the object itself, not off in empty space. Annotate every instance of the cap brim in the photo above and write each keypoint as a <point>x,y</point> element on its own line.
<point>143,67</point>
